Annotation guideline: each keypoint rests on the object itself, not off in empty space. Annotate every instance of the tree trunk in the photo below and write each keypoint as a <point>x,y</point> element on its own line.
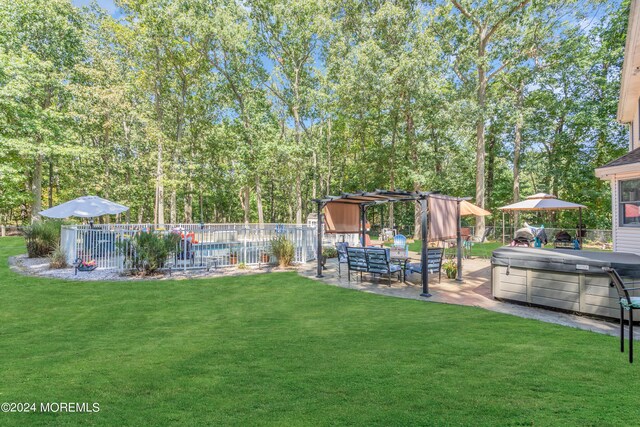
<point>516,152</point>
<point>36,188</point>
<point>246,204</point>
<point>188,203</point>
<point>173,208</point>
<point>158,217</point>
<point>413,143</point>
<point>480,146</point>
<point>491,153</point>
<point>298,198</point>
<point>392,178</point>
<point>259,200</point>
<point>50,195</point>
<point>329,166</point>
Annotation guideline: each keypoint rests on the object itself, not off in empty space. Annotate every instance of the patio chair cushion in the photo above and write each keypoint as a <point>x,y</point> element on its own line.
<point>635,303</point>
<point>393,268</point>
<point>414,267</point>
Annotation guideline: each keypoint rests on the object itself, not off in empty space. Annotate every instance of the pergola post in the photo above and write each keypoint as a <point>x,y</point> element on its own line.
<point>425,246</point>
<point>319,242</point>
<point>363,222</point>
<point>459,242</point>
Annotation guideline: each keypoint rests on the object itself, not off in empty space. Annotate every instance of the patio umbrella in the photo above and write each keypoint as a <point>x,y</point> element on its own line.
<point>467,208</point>
<point>84,207</point>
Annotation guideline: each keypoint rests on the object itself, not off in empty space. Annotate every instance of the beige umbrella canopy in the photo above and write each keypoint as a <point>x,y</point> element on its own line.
<point>467,208</point>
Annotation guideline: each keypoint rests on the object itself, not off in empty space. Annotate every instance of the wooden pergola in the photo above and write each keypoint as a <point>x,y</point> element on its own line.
<point>369,199</point>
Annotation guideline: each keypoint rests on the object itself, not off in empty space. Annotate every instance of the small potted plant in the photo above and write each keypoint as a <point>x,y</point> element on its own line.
<point>265,258</point>
<point>328,253</point>
<point>450,268</point>
<point>233,258</point>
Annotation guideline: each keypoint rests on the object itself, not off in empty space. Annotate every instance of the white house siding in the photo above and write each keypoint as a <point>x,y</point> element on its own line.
<point>625,239</point>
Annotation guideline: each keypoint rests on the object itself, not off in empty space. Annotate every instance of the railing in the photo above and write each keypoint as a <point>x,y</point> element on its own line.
<point>200,245</point>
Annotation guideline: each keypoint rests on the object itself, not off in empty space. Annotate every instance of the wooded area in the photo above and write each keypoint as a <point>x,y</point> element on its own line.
<point>223,110</point>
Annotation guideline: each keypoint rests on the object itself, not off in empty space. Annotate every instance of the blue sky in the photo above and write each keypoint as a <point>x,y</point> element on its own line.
<point>108,5</point>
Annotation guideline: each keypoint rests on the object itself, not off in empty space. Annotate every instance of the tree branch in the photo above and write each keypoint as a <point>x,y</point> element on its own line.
<point>466,13</point>
<point>504,17</point>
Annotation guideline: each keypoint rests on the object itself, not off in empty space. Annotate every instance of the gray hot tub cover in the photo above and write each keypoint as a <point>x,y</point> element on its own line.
<point>567,261</point>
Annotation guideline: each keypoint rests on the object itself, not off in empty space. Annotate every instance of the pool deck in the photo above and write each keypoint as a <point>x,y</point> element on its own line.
<point>475,290</point>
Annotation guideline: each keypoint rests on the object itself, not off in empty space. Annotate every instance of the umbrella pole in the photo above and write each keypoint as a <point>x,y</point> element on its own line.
<point>503,228</point>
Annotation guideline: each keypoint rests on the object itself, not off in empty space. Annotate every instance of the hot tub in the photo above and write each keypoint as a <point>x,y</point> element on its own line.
<point>561,279</point>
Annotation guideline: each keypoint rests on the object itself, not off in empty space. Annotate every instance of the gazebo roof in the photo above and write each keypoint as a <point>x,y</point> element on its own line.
<point>368,198</point>
<point>541,202</point>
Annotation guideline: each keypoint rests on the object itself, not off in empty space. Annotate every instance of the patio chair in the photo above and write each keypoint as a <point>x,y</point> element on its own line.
<point>400,242</point>
<point>434,263</point>
<point>378,262</point>
<point>627,303</point>
<point>341,247</point>
<point>356,261</point>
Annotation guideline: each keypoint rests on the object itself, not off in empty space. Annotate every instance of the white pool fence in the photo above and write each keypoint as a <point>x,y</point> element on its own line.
<point>200,245</point>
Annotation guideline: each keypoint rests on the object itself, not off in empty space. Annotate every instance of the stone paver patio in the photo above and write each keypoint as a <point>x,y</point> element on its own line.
<point>474,291</point>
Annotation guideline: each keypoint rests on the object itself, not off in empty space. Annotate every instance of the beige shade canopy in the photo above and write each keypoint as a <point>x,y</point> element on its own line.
<point>467,208</point>
<point>342,218</point>
<point>541,202</point>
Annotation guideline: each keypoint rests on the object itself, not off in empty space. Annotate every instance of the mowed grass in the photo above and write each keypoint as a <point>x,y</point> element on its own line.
<point>481,250</point>
<point>284,350</point>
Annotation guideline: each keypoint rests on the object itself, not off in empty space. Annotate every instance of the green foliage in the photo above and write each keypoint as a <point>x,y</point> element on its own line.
<point>330,252</point>
<point>58,258</point>
<point>42,238</point>
<point>283,250</point>
<point>148,251</point>
<point>234,111</point>
<point>450,267</point>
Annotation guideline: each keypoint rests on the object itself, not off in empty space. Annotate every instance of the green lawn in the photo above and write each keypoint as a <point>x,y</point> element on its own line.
<point>482,250</point>
<point>281,349</point>
<point>478,249</point>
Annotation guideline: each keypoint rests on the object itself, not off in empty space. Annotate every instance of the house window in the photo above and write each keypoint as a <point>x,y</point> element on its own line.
<point>630,202</point>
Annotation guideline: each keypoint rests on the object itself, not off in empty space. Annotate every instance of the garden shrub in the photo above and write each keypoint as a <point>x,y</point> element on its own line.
<point>42,238</point>
<point>283,249</point>
<point>58,258</point>
<point>149,251</point>
<point>330,252</point>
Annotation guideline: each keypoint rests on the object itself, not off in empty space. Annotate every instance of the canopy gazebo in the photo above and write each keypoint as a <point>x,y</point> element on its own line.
<point>543,202</point>
<point>348,212</point>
